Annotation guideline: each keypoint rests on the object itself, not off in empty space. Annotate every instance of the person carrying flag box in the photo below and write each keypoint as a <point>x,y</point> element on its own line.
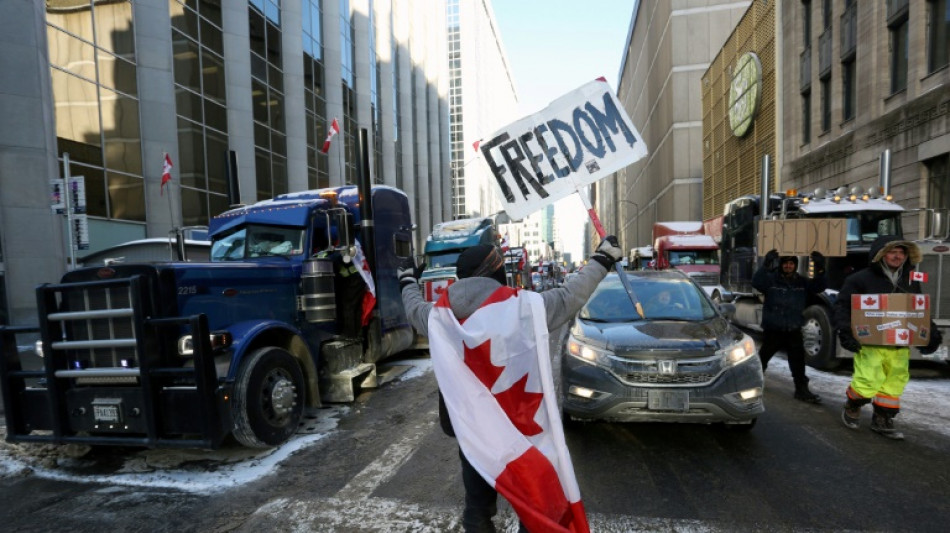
<point>881,371</point>
<point>489,349</point>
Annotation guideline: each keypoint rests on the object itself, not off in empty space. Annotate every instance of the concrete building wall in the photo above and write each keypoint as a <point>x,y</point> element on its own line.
<point>669,46</point>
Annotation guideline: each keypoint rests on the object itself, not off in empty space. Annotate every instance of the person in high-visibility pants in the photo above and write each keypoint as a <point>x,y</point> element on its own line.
<point>880,372</point>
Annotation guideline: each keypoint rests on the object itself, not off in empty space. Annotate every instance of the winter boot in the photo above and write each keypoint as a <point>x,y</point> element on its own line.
<point>851,415</point>
<point>802,393</point>
<point>884,425</point>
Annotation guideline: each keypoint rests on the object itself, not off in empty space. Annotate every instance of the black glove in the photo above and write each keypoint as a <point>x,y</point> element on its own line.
<point>818,260</point>
<point>408,272</point>
<point>936,338</point>
<point>608,252</point>
<point>848,342</point>
<point>771,260</point>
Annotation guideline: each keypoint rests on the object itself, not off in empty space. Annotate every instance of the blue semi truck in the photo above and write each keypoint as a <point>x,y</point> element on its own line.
<point>183,354</point>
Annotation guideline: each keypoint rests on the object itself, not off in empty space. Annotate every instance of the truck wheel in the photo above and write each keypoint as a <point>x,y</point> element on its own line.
<point>819,339</point>
<point>268,398</point>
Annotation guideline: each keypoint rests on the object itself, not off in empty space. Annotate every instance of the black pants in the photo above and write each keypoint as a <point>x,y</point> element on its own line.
<point>481,501</point>
<point>791,343</point>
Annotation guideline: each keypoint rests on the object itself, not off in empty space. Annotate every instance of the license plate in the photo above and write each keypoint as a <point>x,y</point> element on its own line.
<point>107,410</point>
<point>662,400</point>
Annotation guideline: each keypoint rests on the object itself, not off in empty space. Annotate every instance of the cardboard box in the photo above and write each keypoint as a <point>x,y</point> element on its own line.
<point>891,319</point>
<point>802,236</point>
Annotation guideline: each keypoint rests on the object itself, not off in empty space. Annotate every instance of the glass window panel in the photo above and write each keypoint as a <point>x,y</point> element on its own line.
<point>280,176</point>
<point>187,66</point>
<point>273,45</point>
<point>114,30</point>
<point>211,37</point>
<point>275,78</point>
<point>120,127</point>
<point>187,23</point>
<point>77,111</point>
<point>75,21</point>
<point>256,29</point>
<point>258,68</point>
<point>217,204</point>
<point>217,147</point>
<point>276,104</point>
<point>191,151</point>
<point>261,136</point>
<point>95,188</point>
<point>211,9</point>
<point>272,11</point>
<point>194,208</point>
<point>117,74</point>
<point>216,116</point>
<point>188,104</point>
<point>127,197</point>
<point>212,73</point>
<point>72,54</point>
<point>262,168</point>
<point>278,143</point>
<point>259,101</point>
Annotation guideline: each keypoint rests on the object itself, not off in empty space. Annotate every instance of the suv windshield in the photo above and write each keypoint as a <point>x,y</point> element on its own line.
<point>255,240</point>
<point>660,298</point>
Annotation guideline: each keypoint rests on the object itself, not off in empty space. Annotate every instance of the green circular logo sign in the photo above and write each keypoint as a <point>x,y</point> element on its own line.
<point>745,92</point>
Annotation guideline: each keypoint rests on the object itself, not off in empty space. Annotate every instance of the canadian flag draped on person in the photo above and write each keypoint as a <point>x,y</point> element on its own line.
<point>494,371</point>
<point>369,297</point>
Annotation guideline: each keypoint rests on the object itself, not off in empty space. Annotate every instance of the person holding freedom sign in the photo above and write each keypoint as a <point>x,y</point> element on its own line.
<point>489,349</point>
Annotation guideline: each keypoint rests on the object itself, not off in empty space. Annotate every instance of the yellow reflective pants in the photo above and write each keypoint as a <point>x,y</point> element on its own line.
<point>881,373</point>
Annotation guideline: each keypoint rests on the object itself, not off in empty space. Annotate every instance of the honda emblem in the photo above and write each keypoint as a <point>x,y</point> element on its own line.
<point>667,367</point>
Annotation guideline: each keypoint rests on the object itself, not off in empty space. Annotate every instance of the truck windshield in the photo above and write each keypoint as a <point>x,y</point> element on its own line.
<point>445,260</point>
<point>694,257</point>
<point>864,227</point>
<point>255,240</point>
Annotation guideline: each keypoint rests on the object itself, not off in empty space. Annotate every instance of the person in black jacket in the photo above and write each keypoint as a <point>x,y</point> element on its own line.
<point>786,296</point>
<point>880,372</point>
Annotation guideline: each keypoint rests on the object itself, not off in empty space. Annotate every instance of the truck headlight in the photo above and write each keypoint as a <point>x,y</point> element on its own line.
<point>738,352</point>
<point>219,340</point>
<point>587,353</point>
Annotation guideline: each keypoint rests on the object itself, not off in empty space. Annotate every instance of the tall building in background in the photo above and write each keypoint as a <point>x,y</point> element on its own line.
<point>240,94</point>
<point>669,47</point>
<point>482,98</point>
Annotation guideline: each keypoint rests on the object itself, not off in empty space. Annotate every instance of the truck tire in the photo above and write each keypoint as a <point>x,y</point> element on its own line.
<point>268,398</point>
<point>819,339</point>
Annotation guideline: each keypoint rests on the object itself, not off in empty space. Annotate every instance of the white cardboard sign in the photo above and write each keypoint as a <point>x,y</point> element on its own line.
<point>578,139</point>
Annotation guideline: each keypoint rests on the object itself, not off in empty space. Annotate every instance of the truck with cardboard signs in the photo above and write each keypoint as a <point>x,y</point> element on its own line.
<point>183,354</point>
<point>686,247</point>
<point>443,247</point>
<point>841,224</point>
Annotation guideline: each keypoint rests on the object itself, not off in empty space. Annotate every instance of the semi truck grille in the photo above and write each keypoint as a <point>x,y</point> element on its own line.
<point>938,268</point>
<point>94,324</point>
<point>706,278</point>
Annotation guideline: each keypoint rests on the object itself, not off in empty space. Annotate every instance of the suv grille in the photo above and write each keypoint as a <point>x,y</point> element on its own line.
<point>660,371</point>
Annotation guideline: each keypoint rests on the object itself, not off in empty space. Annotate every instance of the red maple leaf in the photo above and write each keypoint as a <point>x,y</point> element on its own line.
<point>869,301</point>
<point>516,402</point>
<point>902,335</point>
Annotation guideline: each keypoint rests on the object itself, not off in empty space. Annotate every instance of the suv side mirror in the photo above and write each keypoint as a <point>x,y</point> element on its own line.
<point>728,310</point>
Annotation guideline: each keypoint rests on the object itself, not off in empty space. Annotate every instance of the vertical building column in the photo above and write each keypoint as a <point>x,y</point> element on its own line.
<point>295,120</point>
<point>401,16</point>
<point>435,58</point>
<point>386,58</point>
<point>418,29</point>
<point>333,72</point>
<point>28,161</point>
<point>361,70</point>
<point>159,131</point>
<point>445,149</point>
<point>237,57</point>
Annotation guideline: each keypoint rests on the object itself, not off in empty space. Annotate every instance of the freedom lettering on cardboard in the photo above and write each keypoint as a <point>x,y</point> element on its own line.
<point>802,236</point>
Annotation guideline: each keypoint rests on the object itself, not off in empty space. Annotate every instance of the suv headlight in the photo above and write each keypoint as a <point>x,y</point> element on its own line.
<point>587,353</point>
<point>738,352</point>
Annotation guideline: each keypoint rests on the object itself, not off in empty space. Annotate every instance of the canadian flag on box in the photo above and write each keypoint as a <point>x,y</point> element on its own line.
<point>916,275</point>
<point>899,337</point>
<point>921,301</point>
<point>868,301</point>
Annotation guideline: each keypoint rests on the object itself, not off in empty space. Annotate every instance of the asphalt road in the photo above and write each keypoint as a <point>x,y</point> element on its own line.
<point>386,466</point>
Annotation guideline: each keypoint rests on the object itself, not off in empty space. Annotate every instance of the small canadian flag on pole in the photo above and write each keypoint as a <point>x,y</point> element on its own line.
<point>916,275</point>
<point>166,172</point>
<point>334,129</point>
